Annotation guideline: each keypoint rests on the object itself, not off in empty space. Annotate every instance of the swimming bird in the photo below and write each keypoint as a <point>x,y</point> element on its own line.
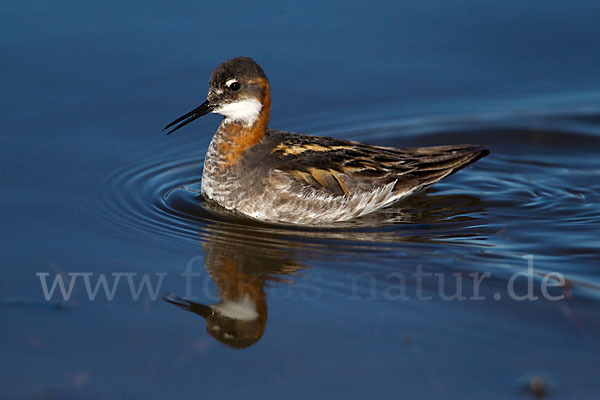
<point>284,177</point>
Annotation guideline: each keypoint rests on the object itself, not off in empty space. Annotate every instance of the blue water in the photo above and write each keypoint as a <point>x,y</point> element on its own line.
<point>91,185</point>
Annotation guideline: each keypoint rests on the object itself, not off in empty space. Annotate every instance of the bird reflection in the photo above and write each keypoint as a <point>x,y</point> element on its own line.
<point>242,256</point>
<point>240,272</point>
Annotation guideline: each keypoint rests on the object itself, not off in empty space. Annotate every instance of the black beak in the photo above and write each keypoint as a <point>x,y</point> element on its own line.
<point>203,109</point>
<point>197,308</point>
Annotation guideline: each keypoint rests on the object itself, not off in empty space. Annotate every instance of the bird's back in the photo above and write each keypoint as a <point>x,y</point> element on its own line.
<point>312,179</point>
<point>343,167</point>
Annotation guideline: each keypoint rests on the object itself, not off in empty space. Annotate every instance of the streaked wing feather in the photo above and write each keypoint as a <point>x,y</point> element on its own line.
<point>342,167</point>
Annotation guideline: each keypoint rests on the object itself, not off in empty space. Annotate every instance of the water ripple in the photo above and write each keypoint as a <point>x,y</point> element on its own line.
<point>516,200</point>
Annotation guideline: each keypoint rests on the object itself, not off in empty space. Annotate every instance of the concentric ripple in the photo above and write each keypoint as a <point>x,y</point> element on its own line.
<point>156,194</point>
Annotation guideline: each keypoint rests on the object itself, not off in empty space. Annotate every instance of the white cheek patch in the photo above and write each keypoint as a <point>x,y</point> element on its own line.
<point>245,111</point>
<point>243,310</point>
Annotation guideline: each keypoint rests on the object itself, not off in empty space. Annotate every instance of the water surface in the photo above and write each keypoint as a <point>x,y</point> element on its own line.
<point>364,308</point>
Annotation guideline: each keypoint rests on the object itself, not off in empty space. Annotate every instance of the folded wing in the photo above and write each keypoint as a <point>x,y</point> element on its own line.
<point>342,168</point>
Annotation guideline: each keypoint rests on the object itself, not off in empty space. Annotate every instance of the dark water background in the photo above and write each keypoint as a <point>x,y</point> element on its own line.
<point>90,184</point>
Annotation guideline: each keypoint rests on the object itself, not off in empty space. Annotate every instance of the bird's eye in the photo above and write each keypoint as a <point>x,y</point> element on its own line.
<point>235,86</point>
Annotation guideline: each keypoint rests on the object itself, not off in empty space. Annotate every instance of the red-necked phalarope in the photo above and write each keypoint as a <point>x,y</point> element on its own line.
<point>278,176</point>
